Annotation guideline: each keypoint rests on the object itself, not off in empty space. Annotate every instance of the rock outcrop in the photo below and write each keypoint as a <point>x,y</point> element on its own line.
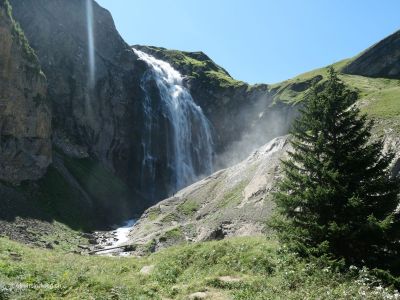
<point>232,202</point>
<point>380,60</point>
<point>25,118</point>
<point>236,201</point>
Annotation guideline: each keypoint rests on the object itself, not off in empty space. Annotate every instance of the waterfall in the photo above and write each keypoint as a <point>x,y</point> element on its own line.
<point>188,143</point>
<point>90,34</point>
<point>91,80</point>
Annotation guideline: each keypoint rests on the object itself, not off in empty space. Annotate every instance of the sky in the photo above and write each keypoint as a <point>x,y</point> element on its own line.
<point>259,41</point>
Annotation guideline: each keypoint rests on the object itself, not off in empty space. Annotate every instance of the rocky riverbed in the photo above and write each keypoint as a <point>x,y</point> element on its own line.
<point>113,242</point>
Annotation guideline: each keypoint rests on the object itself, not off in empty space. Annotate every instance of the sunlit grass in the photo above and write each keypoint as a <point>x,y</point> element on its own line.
<point>384,103</point>
<point>261,267</point>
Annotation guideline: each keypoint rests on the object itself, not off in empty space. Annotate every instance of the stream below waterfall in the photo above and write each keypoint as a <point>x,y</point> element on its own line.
<point>107,242</point>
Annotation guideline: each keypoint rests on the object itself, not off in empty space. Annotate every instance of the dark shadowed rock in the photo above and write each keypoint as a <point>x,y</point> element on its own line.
<point>25,119</point>
<point>103,122</point>
<point>380,60</point>
<point>103,119</point>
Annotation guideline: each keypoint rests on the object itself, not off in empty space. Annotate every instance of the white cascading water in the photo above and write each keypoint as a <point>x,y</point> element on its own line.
<point>91,61</point>
<point>190,138</point>
<point>90,35</point>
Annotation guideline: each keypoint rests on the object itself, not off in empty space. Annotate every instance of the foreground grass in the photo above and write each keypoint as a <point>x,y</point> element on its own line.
<point>258,268</point>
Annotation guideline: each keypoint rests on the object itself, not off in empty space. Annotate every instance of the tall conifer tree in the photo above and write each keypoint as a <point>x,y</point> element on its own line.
<point>337,195</point>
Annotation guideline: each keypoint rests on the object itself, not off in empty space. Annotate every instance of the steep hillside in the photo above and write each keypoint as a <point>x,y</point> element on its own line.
<point>380,60</point>
<point>232,202</point>
<point>378,97</point>
<point>237,201</point>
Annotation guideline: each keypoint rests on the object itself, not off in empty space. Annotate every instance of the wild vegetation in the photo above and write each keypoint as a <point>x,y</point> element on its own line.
<point>239,268</point>
<point>324,249</point>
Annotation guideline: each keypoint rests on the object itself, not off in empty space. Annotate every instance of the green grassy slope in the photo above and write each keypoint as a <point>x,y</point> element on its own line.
<point>240,268</point>
<point>365,86</point>
<point>378,97</point>
<point>384,107</point>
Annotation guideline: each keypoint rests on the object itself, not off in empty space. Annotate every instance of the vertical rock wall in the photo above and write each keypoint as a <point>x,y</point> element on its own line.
<point>25,118</point>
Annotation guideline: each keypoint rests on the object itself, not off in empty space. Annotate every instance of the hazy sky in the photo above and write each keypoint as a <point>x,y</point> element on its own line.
<point>259,40</point>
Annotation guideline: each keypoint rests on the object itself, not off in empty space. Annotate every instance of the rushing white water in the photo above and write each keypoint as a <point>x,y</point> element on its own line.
<point>189,145</point>
<point>115,238</point>
<point>91,50</point>
<point>121,233</point>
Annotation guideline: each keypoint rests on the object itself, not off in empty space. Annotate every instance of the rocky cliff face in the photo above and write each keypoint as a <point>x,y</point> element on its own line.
<point>25,118</point>
<point>100,120</point>
<point>103,117</point>
<point>93,134</point>
<point>380,60</point>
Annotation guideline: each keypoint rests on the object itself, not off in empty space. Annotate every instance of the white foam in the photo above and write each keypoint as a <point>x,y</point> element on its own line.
<point>119,238</point>
<point>190,144</point>
<point>121,233</point>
